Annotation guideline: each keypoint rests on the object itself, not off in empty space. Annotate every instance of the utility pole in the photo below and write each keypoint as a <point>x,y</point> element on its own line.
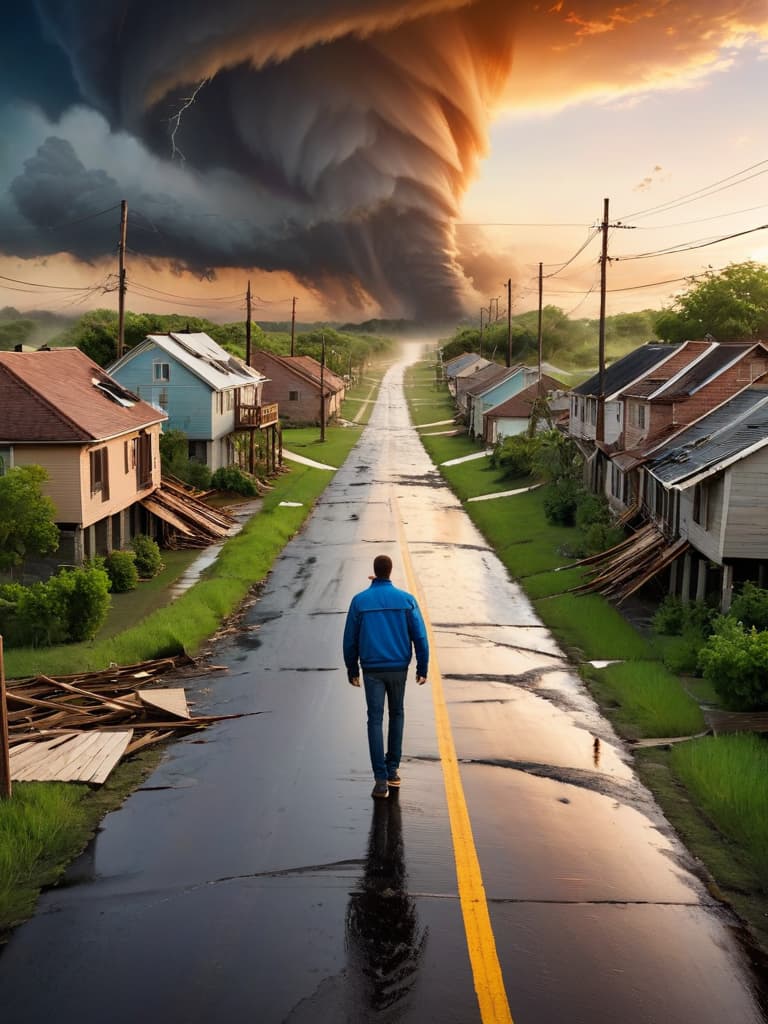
<point>121,278</point>
<point>509,322</point>
<point>600,425</point>
<point>322,389</point>
<point>540,334</point>
<point>248,325</point>
<point>480,351</point>
<point>5,750</point>
<point>293,327</point>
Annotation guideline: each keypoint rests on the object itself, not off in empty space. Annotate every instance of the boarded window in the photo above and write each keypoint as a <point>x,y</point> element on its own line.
<point>99,459</point>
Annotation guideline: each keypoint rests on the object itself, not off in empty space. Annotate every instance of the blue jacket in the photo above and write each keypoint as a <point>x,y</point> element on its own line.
<point>383,623</point>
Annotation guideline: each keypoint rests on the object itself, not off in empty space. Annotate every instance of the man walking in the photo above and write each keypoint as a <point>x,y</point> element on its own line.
<point>383,628</point>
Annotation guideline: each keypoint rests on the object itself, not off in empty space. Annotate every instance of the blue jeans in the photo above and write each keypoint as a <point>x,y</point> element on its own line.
<point>378,686</point>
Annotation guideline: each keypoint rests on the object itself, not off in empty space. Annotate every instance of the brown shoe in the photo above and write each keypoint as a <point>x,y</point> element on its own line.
<point>394,781</point>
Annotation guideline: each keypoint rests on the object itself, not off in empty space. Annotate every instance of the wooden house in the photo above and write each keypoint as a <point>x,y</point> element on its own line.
<point>698,378</point>
<point>97,441</point>
<point>484,395</point>
<point>512,416</point>
<point>708,486</point>
<point>294,383</point>
<point>214,398</point>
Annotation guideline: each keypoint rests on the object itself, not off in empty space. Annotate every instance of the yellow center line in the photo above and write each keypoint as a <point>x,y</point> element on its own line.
<point>481,944</point>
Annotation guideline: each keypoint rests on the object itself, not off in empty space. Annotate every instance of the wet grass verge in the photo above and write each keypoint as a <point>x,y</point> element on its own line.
<point>45,825</point>
<point>732,877</point>
<point>644,699</point>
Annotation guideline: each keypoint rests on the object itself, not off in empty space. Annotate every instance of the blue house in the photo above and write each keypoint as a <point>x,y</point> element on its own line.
<point>207,393</point>
<point>486,395</point>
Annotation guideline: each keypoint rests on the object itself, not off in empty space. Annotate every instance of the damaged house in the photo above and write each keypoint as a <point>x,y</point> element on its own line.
<point>98,443</point>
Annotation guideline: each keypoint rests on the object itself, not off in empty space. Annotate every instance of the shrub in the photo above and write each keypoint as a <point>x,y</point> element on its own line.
<point>560,502</point>
<point>10,626</point>
<point>514,455</point>
<point>147,554</point>
<point>88,602</point>
<point>122,571</point>
<point>735,661</point>
<point>42,612</point>
<point>750,606</point>
<point>591,509</point>
<point>197,475</point>
<point>230,478</point>
<point>600,537</point>
<point>673,618</point>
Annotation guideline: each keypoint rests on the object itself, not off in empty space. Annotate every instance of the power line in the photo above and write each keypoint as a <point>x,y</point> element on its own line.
<point>702,193</point>
<point>688,247</point>
<point>57,287</point>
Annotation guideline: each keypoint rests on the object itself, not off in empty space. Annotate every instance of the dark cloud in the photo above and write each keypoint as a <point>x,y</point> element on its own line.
<point>331,139</point>
<point>348,136</point>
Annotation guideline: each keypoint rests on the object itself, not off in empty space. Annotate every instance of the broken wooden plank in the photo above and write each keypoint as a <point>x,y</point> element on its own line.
<point>170,701</point>
<point>66,759</point>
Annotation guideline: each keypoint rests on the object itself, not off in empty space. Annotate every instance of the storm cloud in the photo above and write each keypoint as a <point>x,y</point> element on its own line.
<point>333,140</point>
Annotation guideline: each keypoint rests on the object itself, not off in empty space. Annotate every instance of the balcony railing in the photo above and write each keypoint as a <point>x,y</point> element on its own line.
<point>256,415</point>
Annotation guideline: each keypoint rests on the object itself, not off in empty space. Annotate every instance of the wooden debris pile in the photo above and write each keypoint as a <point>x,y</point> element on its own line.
<point>623,569</point>
<point>76,728</point>
<point>187,521</point>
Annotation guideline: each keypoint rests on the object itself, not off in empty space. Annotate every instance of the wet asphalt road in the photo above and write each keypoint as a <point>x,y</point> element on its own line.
<point>253,879</point>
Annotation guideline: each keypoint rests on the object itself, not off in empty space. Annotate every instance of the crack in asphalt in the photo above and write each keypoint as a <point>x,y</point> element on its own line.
<point>513,647</point>
<point>570,777</point>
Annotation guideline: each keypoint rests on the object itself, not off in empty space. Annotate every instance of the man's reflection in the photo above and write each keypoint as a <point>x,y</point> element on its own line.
<point>384,940</point>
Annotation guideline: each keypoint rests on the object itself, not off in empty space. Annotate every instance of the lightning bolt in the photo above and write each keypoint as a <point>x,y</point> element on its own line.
<point>175,121</point>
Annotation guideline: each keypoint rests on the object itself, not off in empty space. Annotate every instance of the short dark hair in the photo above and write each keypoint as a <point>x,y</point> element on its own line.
<point>382,567</point>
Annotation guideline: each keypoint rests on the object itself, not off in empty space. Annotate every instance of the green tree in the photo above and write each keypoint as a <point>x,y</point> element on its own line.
<point>731,305</point>
<point>27,524</point>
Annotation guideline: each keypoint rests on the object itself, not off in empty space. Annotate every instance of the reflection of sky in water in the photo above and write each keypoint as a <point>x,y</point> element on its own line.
<point>384,939</point>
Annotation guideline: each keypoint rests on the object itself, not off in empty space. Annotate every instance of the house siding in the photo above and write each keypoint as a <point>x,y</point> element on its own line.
<point>707,540</point>
<point>283,382</point>
<point>481,404</point>
<point>189,405</point>
<point>62,464</point>
<point>746,535</point>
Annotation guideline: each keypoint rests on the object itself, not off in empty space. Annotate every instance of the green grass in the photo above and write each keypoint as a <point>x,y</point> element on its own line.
<point>192,618</point>
<point>148,596</point>
<point>428,402</point>
<point>45,825</point>
<point>645,699</point>
<point>36,826</point>
<point>727,776</point>
<point>332,451</point>
<point>441,447</point>
<point>519,532</point>
<point>737,881</point>
<point>590,626</point>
